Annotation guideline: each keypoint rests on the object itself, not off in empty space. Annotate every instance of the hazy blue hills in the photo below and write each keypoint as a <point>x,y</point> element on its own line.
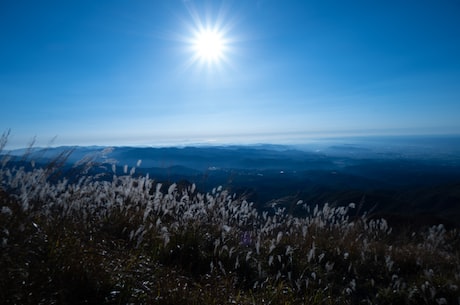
<point>402,176</point>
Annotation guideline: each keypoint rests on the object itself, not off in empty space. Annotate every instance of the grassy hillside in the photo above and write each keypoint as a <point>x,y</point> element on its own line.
<point>131,240</point>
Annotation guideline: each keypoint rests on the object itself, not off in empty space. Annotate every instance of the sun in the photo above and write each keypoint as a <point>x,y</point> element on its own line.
<point>209,38</point>
<point>209,45</point>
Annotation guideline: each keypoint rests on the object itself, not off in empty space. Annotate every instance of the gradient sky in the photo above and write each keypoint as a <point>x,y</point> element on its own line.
<point>120,72</point>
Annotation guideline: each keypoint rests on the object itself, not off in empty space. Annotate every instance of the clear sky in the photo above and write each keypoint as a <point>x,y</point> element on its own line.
<point>130,72</point>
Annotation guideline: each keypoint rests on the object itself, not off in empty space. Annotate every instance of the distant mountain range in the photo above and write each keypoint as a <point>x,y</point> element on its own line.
<point>407,183</point>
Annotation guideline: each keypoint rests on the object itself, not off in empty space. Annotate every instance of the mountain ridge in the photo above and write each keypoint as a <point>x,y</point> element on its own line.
<point>264,173</point>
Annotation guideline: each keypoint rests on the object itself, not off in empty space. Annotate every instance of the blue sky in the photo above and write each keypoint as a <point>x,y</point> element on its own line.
<point>121,72</point>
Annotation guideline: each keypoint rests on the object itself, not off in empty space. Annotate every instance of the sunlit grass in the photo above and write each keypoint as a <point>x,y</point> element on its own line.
<point>130,240</point>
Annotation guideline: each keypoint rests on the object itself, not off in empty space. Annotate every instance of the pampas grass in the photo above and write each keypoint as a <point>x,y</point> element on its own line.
<point>131,240</point>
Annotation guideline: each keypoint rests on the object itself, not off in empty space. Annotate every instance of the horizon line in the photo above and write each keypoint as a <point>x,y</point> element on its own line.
<point>218,142</point>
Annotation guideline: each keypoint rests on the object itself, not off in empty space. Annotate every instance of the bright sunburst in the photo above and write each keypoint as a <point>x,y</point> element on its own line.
<point>208,40</point>
<point>209,45</point>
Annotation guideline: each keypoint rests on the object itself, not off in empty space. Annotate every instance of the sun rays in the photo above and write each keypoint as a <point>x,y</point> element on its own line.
<point>208,41</point>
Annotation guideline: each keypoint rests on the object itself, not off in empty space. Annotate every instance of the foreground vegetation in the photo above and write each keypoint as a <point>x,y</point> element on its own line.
<point>131,240</point>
